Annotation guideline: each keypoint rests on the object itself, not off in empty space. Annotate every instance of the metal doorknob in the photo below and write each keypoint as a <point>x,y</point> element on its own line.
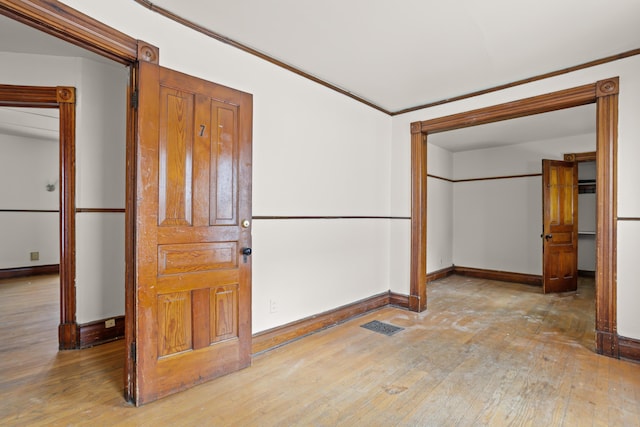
<point>246,251</point>
<point>548,237</point>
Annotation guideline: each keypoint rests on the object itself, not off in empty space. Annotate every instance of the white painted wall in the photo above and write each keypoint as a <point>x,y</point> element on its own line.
<point>440,225</point>
<point>628,250</point>
<point>628,173</point>
<point>100,162</point>
<point>312,266</point>
<point>99,266</point>
<point>497,223</point>
<point>100,171</point>
<point>315,152</point>
<point>27,165</point>
<point>518,159</point>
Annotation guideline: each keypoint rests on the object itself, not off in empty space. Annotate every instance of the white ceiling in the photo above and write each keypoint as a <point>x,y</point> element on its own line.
<point>400,54</point>
<point>405,53</point>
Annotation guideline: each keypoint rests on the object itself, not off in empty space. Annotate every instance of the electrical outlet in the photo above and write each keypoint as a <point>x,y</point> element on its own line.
<point>273,306</point>
<point>35,256</point>
<point>110,323</point>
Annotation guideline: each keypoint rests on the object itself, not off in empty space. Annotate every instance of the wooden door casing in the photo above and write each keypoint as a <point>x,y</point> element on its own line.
<point>605,94</point>
<point>193,295</point>
<point>560,226</point>
<point>62,98</point>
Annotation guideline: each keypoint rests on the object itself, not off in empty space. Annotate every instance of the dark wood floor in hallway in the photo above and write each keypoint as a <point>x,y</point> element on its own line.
<point>484,353</point>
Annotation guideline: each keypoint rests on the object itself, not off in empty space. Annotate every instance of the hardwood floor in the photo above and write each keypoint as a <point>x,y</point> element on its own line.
<point>484,353</point>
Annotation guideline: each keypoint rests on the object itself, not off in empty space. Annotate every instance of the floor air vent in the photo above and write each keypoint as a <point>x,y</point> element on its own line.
<point>383,328</point>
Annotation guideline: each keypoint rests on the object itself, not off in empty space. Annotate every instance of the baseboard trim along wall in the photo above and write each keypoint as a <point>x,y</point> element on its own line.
<point>586,273</point>
<point>275,337</point>
<point>440,274</point>
<point>97,332</point>
<point>629,348</point>
<point>36,270</point>
<point>503,276</point>
<point>481,273</point>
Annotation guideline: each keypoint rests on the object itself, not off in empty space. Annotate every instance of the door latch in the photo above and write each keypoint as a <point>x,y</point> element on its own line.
<point>245,253</point>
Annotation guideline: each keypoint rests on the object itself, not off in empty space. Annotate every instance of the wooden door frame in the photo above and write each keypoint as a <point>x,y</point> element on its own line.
<point>589,156</point>
<point>605,94</point>
<point>66,23</point>
<point>62,98</point>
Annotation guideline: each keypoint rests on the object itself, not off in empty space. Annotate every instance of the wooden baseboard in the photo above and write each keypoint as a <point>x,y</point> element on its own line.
<point>94,333</point>
<point>399,300</point>
<point>275,337</point>
<point>36,270</point>
<point>629,348</point>
<point>440,274</point>
<point>586,273</point>
<point>503,276</point>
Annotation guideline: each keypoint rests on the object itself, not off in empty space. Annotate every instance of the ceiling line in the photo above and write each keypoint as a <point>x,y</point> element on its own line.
<point>584,65</point>
<point>261,55</point>
<point>217,36</point>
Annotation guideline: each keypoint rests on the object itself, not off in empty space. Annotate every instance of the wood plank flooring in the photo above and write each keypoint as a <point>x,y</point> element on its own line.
<point>484,353</point>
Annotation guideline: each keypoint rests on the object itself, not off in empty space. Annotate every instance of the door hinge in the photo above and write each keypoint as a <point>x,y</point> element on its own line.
<point>133,351</point>
<point>134,99</point>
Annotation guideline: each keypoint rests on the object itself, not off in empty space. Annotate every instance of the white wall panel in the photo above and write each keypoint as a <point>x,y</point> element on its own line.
<point>497,225</point>
<point>400,256</point>
<point>310,266</point>
<point>38,70</point>
<point>99,266</point>
<point>628,141</point>
<point>440,224</point>
<point>26,232</point>
<point>628,279</point>
<point>101,135</point>
<point>518,159</point>
<point>439,161</point>
<point>26,167</point>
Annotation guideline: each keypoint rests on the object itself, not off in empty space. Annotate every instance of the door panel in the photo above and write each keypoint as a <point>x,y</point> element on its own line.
<point>560,226</point>
<point>193,286</point>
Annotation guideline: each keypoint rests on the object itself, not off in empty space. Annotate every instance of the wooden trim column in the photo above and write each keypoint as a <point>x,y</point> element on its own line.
<point>606,213</point>
<point>68,329</point>
<point>418,289</point>
<point>147,53</point>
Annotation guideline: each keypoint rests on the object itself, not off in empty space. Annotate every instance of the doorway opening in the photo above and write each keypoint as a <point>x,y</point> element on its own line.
<point>62,98</point>
<point>605,94</point>
<point>92,220</point>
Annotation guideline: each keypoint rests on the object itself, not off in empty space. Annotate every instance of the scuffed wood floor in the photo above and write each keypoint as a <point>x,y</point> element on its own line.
<point>484,353</point>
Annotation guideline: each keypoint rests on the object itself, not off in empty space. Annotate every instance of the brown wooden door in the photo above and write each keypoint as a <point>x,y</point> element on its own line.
<point>193,285</point>
<point>560,226</point>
